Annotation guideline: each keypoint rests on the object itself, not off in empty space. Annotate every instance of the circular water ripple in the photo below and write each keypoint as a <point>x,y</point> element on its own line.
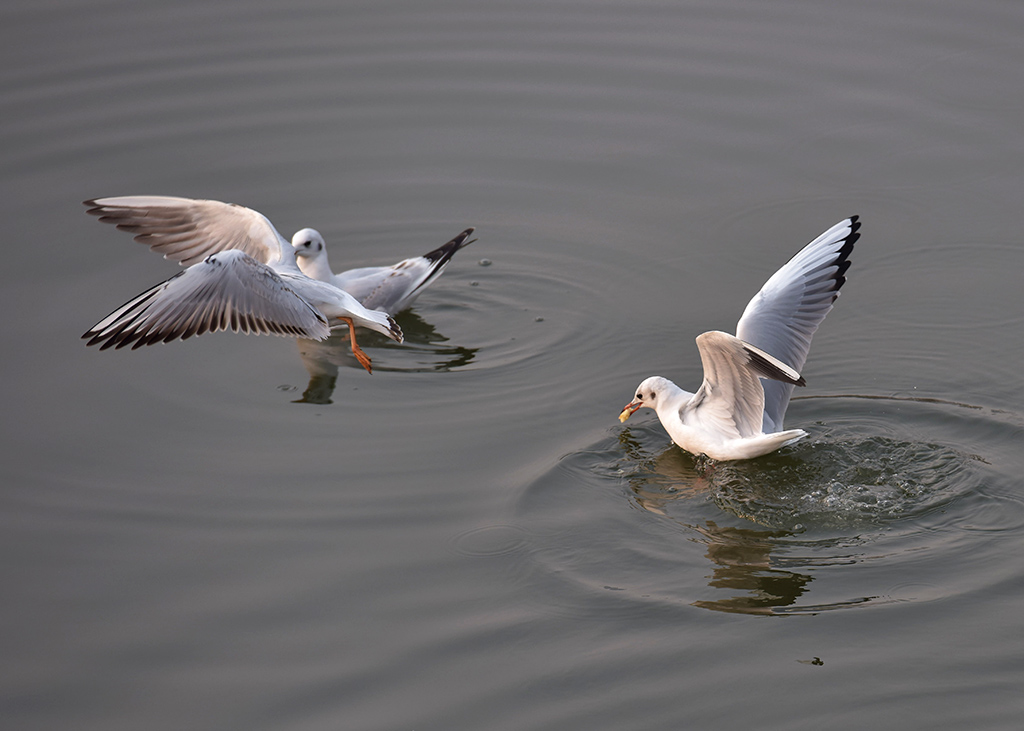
<point>864,512</point>
<point>489,540</point>
<point>839,482</point>
<point>970,267</point>
<point>484,316</point>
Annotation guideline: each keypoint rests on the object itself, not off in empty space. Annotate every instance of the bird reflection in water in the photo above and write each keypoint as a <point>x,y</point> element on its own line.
<point>743,562</point>
<point>742,557</point>
<point>424,346</point>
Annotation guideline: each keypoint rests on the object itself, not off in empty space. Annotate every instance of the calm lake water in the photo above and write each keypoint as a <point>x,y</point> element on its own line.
<point>245,533</point>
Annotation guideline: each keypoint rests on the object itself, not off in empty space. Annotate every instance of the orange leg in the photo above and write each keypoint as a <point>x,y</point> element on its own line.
<point>362,357</point>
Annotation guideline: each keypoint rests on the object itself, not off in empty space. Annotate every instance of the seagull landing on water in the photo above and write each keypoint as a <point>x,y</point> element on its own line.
<point>390,289</point>
<point>241,276</point>
<point>738,410</point>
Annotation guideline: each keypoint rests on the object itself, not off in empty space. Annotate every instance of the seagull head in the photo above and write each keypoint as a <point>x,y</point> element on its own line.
<point>308,243</point>
<point>648,394</point>
<point>311,254</point>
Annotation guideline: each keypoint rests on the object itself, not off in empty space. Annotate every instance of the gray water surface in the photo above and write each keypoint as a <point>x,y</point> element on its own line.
<point>249,533</point>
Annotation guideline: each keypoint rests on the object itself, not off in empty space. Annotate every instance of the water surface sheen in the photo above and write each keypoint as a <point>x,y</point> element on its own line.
<point>248,533</point>
<point>790,532</point>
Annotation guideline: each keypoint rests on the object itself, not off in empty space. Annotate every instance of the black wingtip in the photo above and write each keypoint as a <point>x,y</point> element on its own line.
<point>769,370</point>
<point>396,330</point>
<point>92,207</point>
<point>842,261</point>
<point>442,254</point>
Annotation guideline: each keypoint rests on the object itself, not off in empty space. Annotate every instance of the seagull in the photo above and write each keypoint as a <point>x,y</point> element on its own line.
<point>736,413</point>
<point>241,276</point>
<point>390,289</point>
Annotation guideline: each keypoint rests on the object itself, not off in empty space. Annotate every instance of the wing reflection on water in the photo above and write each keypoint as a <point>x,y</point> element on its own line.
<point>743,562</point>
<point>741,556</point>
<point>423,350</point>
<point>753,565</point>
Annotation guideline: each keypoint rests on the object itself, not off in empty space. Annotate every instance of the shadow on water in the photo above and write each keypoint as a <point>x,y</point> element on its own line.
<point>778,532</point>
<point>424,350</point>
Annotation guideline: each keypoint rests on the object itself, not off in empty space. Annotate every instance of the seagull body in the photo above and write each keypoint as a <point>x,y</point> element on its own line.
<point>390,289</point>
<point>241,276</point>
<point>737,412</point>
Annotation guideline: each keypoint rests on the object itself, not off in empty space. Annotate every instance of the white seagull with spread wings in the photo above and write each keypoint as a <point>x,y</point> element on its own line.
<point>390,289</point>
<point>738,410</point>
<point>241,276</point>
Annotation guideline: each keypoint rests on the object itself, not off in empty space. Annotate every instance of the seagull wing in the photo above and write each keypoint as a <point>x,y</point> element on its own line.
<point>337,303</point>
<point>730,401</point>
<point>188,230</point>
<point>393,288</point>
<point>782,318</point>
<point>226,291</point>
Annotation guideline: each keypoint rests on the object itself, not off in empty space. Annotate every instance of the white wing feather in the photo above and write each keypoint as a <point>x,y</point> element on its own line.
<point>187,230</point>
<point>730,401</point>
<point>226,291</point>
<point>783,316</point>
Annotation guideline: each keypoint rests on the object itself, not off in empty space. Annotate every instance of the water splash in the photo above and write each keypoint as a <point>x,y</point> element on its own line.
<point>842,520</point>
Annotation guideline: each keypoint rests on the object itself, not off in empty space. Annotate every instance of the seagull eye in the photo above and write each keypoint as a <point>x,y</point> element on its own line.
<point>640,396</point>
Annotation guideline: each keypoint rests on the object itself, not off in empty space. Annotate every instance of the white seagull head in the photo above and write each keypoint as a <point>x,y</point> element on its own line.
<point>308,243</point>
<point>648,394</point>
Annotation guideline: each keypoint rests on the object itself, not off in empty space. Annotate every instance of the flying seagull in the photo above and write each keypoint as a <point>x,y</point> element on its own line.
<point>241,275</point>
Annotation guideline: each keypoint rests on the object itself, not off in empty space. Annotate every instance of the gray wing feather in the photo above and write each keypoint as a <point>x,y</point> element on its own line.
<point>186,230</point>
<point>782,318</point>
<point>227,291</point>
<point>394,288</point>
<point>731,398</point>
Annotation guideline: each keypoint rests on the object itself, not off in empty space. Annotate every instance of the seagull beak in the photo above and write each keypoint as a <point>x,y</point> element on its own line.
<point>628,411</point>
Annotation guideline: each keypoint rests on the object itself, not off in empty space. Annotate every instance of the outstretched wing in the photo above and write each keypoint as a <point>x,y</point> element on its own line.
<point>394,288</point>
<point>188,230</point>
<point>730,401</point>
<point>225,291</point>
<point>782,318</point>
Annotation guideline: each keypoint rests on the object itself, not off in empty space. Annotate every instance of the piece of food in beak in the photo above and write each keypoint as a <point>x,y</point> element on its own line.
<point>628,412</point>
